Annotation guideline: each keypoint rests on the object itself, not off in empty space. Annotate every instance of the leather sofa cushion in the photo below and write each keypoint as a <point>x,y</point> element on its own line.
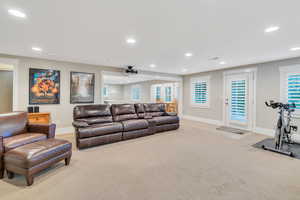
<point>122,112</point>
<point>22,139</point>
<point>122,109</point>
<point>166,120</point>
<point>155,109</point>
<point>120,118</point>
<point>136,124</point>
<point>140,110</point>
<point>87,111</point>
<point>30,155</point>
<point>155,114</point>
<point>96,120</point>
<point>13,124</point>
<point>100,129</point>
<point>139,107</point>
<point>151,122</point>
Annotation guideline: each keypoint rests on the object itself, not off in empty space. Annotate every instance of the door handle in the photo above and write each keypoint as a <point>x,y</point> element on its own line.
<point>226,101</point>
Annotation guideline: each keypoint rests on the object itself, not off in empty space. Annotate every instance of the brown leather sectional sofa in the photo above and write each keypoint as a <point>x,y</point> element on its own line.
<point>102,124</point>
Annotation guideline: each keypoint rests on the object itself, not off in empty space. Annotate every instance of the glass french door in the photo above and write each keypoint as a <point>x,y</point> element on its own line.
<point>237,100</point>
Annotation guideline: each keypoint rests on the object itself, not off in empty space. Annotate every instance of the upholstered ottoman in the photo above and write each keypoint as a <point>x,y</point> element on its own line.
<point>32,158</point>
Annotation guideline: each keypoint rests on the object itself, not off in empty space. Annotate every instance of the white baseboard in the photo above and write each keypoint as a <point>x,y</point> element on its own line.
<point>204,120</point>
<point>65,130</point>
<point>259,130</point>
<point>264,131</point>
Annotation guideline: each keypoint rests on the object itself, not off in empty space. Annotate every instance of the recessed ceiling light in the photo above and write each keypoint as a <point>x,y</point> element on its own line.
<point>222,63</point>
<point>295,49</point>
<point>272,29</point>
<point>17,13</point>
<point>38,49</point>
<point>184,70</point>
<point>131,41</point>
<point>188,54</point>
<point>152,65</point>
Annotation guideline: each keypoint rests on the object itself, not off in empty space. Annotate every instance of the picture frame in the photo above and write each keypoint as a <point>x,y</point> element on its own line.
<point>44,86</point>
<point>82,87</point>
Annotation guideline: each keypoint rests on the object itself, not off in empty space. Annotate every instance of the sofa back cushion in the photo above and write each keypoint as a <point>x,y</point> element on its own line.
<point>122,112</point>
<point>155,109</point>
<point>93,114</point>
<point>12,124</point>
<point>140,110</point>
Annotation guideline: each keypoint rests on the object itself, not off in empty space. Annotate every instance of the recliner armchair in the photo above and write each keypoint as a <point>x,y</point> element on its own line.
<point>15,132</point>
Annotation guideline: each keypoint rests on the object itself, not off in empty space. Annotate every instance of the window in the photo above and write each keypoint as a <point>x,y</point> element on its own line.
<point>163,92</point>
<point>290,86</point>
<point>238,100</point>
<point>158,93</point>
<point>105,91</point>
<point>200,91</point>
<point>168,94</point>
<point>135,92</point>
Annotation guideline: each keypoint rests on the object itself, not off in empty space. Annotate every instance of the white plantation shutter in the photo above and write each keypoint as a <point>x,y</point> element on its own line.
<point>238,102</point>
<point>135,92</point>
<point>293,90</point>
<point>200,91</point>
<point>290,86</point>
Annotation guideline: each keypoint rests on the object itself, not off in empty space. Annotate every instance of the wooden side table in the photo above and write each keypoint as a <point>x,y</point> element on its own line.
<point>39,118</point>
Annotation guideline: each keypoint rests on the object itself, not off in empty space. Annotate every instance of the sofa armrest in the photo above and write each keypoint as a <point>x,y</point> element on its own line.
<point>80,124</point>
<point>48,129</point>
<point>170,114</point>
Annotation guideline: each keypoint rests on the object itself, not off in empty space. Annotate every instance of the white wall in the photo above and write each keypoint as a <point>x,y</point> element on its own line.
<point>267,88</point>
<point>62,114</point>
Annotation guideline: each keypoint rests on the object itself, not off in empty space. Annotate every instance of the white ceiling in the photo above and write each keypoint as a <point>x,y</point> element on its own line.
<point>95,32</point>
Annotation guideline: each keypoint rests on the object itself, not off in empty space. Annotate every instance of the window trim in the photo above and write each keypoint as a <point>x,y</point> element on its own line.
<point>200,79</point>
<point>284,72</point>
<point>131,95</point>
<point>107,91</point>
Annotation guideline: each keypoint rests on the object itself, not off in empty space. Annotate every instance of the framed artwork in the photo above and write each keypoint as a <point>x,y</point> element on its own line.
<point>44,86</point>
<point>82,87</point>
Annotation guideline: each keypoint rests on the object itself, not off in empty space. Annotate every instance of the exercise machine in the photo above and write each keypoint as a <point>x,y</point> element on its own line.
<point>283,133</point>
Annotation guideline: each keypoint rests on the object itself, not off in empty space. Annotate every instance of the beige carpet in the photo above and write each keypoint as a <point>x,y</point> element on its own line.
<point>195,162</point>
